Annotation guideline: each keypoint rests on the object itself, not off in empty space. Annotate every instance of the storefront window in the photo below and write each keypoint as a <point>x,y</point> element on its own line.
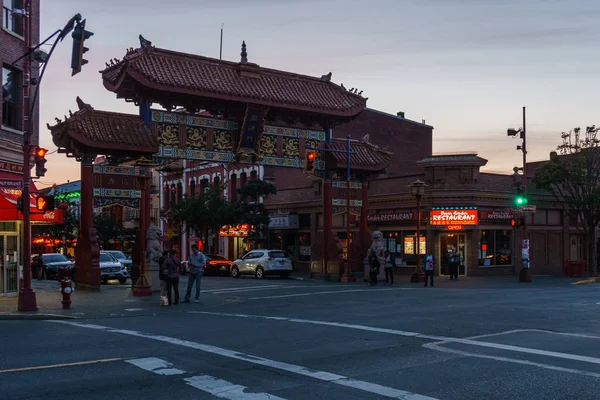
<point>304,247</point>
<point>409,244</point>
<point>495,248</point>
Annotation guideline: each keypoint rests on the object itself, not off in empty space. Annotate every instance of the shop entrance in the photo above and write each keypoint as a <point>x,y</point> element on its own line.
<point>450,242</point>
<point>9,275</point>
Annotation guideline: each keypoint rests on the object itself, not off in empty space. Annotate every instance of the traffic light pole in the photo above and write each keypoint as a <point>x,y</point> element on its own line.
<point>527,261</point>
<point>27,300</point>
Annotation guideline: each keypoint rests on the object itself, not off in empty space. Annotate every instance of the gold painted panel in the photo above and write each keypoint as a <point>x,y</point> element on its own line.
<point>222,141</point>
<point>168,135</point>
<point>268,145</point>
<point>196,138</point>
<point>291,147</point>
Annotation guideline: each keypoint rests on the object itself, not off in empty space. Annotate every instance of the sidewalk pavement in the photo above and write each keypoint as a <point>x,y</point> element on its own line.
<point>115,300</point>
<point>112,301</point>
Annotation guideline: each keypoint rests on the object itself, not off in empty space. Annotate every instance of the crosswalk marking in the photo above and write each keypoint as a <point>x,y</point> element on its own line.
<point>156,365</point>
<point>341,380</point>
<point>226,390</point>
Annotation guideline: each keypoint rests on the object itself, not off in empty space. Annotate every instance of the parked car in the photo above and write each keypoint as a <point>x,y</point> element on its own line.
<point>217,265</point>
<point>111,268</point>
<point>121,257</point>
<point>52,262</point>
<point>262,262</point>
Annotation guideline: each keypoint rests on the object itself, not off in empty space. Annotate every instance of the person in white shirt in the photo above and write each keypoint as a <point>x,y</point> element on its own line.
<point>429,266</point>
<point>197,262</point>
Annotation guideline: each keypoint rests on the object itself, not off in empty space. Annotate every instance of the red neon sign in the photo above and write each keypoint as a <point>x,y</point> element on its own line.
<point>454,227</point>
<point>453,217</point>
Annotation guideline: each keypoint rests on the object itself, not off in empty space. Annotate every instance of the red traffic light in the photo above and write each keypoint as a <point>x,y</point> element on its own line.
<point>41,204</point>
<point>40,152</point>
<point>311,156</point>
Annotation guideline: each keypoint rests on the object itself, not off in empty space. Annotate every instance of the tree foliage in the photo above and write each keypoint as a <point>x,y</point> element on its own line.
<point>572,176</point>
<point>254,212</point>
<point>107,228</point>
<point>207,211</point>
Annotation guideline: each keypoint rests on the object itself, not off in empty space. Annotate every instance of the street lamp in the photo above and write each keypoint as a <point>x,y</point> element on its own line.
<point>417,188</point>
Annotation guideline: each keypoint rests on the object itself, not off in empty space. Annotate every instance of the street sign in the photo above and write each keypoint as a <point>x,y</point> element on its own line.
<point>529,209</point>
<point>513,210</point>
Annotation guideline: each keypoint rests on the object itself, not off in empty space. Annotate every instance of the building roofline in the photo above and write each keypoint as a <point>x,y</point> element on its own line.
<point>397,117</point>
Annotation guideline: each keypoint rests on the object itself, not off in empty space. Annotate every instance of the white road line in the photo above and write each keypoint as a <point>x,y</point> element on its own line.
<point>156,365</point>
<point>518,349</point>
<point>226,390</point>
<point>317,293</point>
<point>433,346</point>
<point>296,369</point>
<point>238,288</point>
<point>268,288</point>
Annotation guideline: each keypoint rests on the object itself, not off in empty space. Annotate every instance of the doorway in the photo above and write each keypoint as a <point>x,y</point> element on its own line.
<point>9,274</point>
<point>450,242</point>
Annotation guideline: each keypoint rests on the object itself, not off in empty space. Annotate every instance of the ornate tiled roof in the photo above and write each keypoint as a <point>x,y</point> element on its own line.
<point>106,132</point>
<point>365,156</point>
<point>191,75</point>
<point>453,159</point>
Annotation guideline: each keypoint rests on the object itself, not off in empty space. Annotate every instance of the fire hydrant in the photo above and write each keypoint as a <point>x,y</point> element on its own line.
<point>66,288</point>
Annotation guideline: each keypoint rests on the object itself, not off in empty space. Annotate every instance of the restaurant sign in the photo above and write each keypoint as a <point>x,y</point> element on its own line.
<point>405,216</point>
<point>449,217</point>
<point>496,215</point>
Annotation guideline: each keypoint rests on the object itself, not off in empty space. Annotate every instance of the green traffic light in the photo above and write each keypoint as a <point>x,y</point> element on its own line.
<point>521,200</point>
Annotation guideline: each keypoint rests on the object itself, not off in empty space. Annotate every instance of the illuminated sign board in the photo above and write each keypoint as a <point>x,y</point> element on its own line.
<point>454,217</point>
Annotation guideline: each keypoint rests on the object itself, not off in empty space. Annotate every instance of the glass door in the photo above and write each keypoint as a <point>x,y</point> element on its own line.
<point>10,258</point>
<point>449,243</point>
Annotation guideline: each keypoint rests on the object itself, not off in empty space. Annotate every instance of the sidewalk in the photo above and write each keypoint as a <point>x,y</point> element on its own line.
<point>112,301</point>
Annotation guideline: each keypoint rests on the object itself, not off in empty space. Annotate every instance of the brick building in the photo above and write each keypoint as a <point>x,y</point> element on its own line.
<point>13,47</point>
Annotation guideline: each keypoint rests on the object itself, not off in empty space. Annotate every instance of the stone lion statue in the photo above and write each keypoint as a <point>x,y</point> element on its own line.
<point>153,245</point>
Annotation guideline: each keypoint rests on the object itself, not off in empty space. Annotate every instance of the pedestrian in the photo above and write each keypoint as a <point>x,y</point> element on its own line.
<point>429,266</point>
<point>163,276</point>
<point>453,263</point>
<point>39,262</point>
<point>172,264</point>
<point>196,263</point>
<point>374,266</point>
<point>390,266</point>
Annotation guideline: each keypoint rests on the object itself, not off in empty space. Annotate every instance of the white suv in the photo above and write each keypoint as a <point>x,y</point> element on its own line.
<point>262,262</point>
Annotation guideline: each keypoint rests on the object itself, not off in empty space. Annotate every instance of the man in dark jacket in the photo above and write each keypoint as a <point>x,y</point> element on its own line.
<point>171,264</point>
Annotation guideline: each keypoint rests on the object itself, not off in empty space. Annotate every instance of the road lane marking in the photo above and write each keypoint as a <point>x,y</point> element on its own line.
<point>238,288</point>
<point>283,366</point>
<point>156,365</point>
<point>433,346</point>
<point>317,293</point>
<point>471,342</point>
<point>226,390</point>
<point>269,288</point>
<point>73,364</point>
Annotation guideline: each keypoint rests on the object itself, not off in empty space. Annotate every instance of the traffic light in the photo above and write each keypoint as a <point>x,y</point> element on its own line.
<point>79,36</point>
<point>520,199</point>
<point>44,203</point>
<point>20,203</point>
<point>40,161</point>
<point>518,222</point>
<point>309,164</point>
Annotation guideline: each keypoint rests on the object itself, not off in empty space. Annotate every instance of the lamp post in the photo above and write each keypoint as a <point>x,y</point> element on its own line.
<point>417,188</point>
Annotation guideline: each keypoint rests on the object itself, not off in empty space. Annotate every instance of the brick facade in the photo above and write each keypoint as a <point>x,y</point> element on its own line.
<point>12,46</point>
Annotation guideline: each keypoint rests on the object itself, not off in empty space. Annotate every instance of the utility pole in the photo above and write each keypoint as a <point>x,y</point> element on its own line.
<point>524,178</point>
<point>27,299</point>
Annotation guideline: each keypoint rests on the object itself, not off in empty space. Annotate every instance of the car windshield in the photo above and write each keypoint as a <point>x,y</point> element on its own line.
<point>105,258</point>
<point>53,258</point>
<point>118,255</point>
<point>276,254</point>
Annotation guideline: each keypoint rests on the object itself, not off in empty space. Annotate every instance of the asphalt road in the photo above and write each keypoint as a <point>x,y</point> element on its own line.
<point>277,339</point>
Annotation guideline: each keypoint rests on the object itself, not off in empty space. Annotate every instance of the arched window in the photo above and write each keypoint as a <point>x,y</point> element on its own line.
<point>253,175</point>
<point>234,187</point>
<point>193,188</point>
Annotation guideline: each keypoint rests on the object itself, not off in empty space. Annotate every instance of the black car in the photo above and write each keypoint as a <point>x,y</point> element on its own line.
<point>52,263</point>
<point>216,265</point>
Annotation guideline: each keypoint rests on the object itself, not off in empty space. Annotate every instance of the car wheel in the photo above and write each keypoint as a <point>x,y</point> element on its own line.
<point>122,281</point>
<point>260,273</point>
<point>235,272</point>
<point>284,275</point>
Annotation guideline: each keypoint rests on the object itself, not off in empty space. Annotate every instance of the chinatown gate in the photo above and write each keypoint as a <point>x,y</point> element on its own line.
<point>217,111</point>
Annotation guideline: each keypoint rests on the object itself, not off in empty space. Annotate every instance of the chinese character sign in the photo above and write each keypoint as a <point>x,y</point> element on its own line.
<point>252,128</point>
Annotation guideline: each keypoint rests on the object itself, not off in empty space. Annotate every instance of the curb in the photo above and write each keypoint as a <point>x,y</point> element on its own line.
<point>587,281</point>
<point>33,317</point>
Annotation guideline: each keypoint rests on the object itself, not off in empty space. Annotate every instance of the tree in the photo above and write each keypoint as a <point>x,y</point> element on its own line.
<point>209,211</point>
<point>254,212</point>
<point>107,228</point>
<point>572,176</point>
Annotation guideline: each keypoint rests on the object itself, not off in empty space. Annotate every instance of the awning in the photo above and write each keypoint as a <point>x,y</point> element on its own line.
<point>9,212</point>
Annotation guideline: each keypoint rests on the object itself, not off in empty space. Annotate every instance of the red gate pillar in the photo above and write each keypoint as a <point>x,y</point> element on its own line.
<point>142,287</point>
<point>327,222</point>
<point>365,237</point>
<point>87,252</point>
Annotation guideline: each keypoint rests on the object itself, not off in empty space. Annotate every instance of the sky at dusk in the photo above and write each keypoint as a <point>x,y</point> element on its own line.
<point>467,67</point>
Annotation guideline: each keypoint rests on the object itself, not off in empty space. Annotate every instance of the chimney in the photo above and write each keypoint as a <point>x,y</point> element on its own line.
<point>400,114</point>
